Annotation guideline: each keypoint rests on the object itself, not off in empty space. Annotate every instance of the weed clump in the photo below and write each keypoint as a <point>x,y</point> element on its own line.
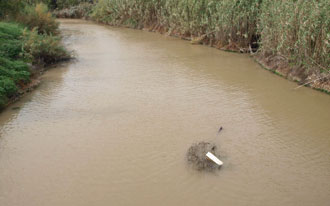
<point>42,49</point>
<point>196,156</point>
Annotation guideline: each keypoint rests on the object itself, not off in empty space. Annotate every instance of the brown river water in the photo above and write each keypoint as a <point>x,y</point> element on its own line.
<point>113,128</point>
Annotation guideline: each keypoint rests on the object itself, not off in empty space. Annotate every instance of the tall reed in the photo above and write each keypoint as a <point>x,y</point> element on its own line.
<point>298,30</point>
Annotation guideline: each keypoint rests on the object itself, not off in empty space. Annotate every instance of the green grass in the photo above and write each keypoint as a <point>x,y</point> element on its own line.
<point>12,68</point>
<point>298,30</point>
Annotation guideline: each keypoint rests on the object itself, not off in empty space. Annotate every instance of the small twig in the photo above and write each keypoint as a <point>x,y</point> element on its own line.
<point>211,32</point>
<point>197,40</point>
<point>327,70</point>
<point>310,82</point>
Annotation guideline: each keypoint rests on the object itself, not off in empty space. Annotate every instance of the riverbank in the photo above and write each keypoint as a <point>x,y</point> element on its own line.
<point>316,76</point>
<point>300,55</point>
<point>29,44</point>
<point>34,82</point>
<point>24,56</point>
<point>279,65</point>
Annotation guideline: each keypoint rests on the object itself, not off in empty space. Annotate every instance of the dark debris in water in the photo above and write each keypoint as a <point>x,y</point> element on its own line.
<point>196,156</point>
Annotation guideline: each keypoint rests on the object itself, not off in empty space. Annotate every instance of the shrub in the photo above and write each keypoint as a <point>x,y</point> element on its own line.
<point>10,45</point>
<point>39,17</point>
<point>19,46</point>
<point>3,98</point>
<point>10,7</point>
<point>43,49</point>
<point>10,50</point>
<point>8,86</point>
<point>15,65</point>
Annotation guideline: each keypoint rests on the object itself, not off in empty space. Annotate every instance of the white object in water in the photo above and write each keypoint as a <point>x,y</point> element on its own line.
<point>214,158</point>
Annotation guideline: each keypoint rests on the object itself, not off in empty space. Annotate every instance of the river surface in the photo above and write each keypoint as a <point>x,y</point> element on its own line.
<point>113,128</point>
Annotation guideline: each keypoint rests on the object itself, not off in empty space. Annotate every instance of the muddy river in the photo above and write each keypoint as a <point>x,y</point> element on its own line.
<point>113,128</point>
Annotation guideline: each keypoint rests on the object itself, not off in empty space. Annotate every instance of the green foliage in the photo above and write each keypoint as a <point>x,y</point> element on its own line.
<point>8,86</point>
<point>3,98</point>
<point>298,30</point>
<point>12,70</point>
<point>10,30</point>
<point>15,69</point>
<point>227,20</point>
<point>19,46</point>
<point>39,17</point>
<point>42,48</point>
<point>10,7</point>
<point>10,44</point>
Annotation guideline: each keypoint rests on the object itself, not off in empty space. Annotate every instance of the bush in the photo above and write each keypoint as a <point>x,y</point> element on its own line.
<point>19,46</point>
<point>10,7</point>
<point>3,98</point>
<point>10,44</point>
<point>7,86</point>
<point>39,17</point>
<point>43,49</point>
<point>10,49</point>
<point>17,70</point>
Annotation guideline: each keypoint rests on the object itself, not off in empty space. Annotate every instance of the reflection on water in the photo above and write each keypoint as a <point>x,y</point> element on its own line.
<point>113,127</point>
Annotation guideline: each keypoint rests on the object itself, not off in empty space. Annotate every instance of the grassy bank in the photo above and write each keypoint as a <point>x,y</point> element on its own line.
<point>291,38</point>
<point>28,43</point>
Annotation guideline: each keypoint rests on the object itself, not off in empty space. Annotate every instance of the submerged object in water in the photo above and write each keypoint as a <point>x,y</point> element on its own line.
<point>220,129</point>
<point>214,158</point>
<point>196,156</point>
